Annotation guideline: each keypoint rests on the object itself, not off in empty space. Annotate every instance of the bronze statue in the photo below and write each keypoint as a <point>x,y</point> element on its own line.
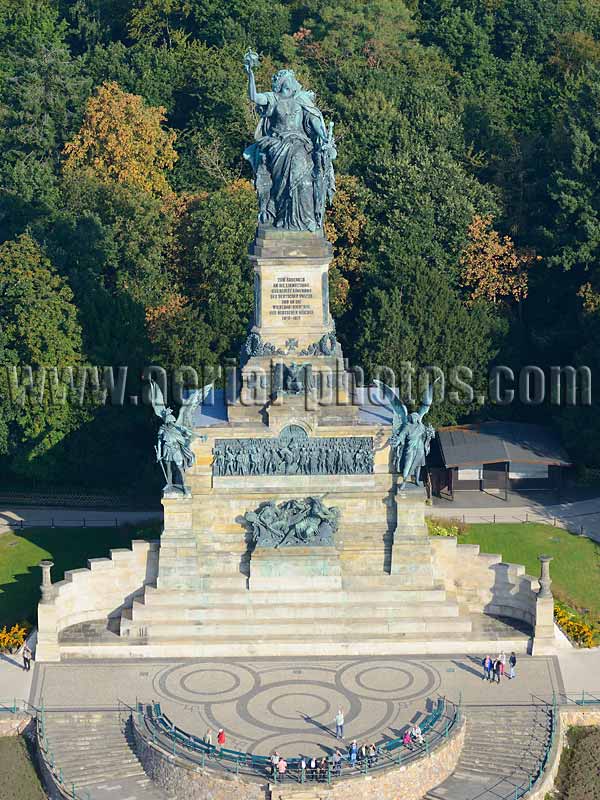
<point>293,153</point>
<point>411,438</point>
<point>173,450</point>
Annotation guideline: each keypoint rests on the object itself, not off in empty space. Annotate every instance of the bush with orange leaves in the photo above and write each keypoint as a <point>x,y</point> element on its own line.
<point>14,638</point>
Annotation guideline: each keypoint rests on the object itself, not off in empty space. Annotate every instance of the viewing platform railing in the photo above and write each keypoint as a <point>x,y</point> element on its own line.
<point>155,727</point>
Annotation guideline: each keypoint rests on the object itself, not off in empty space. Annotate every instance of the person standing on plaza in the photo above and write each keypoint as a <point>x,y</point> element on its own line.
<point>339,724</point>
<point>337,763</point>
<point>220,740</point>
<point>487,665</point>
<point>353,753</point>
<point>281,768</point>
<point>512,663</point>
<point>497,671</point>
<point>26,658</point>
<point>372,754</point>
<point>208,737</point>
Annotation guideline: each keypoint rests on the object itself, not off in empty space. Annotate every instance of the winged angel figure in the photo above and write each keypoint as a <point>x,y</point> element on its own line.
<point>411,438</point>
<point>173,451</point>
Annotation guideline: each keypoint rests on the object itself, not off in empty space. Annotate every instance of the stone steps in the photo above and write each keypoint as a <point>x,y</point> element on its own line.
<point>93,752</point>
<point>309,627</point>
<point>225,596</point>
<point>270,611</point>
<point>502,748</point>
<point>330,644</point>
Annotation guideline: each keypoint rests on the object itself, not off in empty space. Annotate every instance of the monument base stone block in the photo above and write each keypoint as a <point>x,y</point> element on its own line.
<point>290,569</point>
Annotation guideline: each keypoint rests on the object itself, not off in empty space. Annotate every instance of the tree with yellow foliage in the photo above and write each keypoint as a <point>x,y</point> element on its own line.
<point>344,227</point>
<point>122,139</point>
<point>492,268</point>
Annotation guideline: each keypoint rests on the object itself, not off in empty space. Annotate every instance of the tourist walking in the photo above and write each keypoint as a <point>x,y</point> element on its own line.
<point>313,769</point>
<point>339,724</point>
<point>512,664</point>
<point>487,665</point>
<point>26,658</point>
<point>208,737</point>
<point>221,739</point>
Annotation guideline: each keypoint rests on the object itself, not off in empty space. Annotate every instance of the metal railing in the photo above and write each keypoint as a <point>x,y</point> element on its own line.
<point>158,730</point>
<point>78,522</point>
<point>504,517</point>
<point>533,779</point>
<point>68,789</point>
<point>14,705</point>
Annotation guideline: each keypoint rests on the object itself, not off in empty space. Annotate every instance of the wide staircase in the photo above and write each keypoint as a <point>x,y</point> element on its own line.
<point>365,617</point>
<point>503,749</point>
<point>92,753</point>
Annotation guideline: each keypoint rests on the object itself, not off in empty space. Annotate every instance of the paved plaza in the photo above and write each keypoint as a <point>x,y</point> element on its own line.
<point>290,704</point>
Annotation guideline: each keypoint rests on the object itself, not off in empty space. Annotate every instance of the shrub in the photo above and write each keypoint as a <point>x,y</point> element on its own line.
<point>446,527</point>
<point>579,768</point>
<point>572,625</point>
<point>11,640</point>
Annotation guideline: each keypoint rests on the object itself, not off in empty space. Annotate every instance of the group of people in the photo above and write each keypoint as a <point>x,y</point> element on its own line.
<point>319,769</point>
<point>221,739</point>
<point>413,736</point>
<point>495,668</point>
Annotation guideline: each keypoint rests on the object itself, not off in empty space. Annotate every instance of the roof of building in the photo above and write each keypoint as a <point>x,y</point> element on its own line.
<point>499,442</point>
<point>373,409</point>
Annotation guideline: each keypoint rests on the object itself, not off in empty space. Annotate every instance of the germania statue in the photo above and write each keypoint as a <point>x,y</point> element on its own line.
<point>173,450</point>
<point>293,154</point>
<point>411,438</point>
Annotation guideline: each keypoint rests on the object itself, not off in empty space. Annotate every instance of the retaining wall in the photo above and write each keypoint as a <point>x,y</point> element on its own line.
<point>184,780</point>
<point>483,581</point>
<point>100,591</point>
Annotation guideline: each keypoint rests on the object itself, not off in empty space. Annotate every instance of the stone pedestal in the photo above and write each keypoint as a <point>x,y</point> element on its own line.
<point>291,323</point>
<point>543,640</point>
<point>412,556</point>
<point>291,287</point>
<point>292,569</point>
<point>178,560</point>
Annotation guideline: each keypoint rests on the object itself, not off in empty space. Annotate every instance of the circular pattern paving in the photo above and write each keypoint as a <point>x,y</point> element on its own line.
<point>291,706</point>
<point>203,683</point>
<point>400,680</point>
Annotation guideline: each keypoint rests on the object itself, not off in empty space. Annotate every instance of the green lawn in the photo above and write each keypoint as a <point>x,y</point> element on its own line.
<point>19,779</point>
<point>69,548</point>
<point>575,570</point>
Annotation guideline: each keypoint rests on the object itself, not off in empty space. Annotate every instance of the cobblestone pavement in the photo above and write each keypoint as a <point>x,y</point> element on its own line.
<point>290,704</point>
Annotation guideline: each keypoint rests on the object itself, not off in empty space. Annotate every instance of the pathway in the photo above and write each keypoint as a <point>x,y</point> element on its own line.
<point>579,516</point>
<point>290,704</point>
<point>16,518</point>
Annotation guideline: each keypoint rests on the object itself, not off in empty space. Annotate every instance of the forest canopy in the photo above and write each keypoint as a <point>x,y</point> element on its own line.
<point>466,225</point>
